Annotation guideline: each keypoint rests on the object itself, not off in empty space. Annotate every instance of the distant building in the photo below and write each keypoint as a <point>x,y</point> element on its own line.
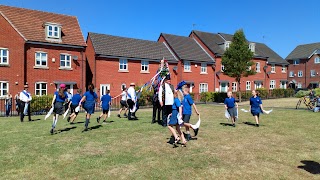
<point>304,68</point>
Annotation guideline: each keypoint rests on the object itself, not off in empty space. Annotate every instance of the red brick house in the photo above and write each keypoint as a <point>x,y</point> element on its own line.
<point>40,49</point>
<point>115,62</point>
<point>270,67</point>
<point>194,63</point>
<point>304,66</point>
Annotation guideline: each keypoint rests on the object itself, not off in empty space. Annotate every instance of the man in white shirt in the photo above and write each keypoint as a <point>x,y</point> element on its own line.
<point>166,99</point>
<point>132,100</point>
<point>25,99</point>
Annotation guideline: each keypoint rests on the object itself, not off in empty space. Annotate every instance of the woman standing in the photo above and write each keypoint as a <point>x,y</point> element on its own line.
<point>256,106</point>
<point>89,98</point>
<point>58,101</point>
<point>8,103</point>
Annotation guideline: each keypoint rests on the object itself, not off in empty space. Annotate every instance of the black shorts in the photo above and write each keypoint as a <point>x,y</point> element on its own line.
<point>105,111</point>
<point>186,118</point>
<point>58,108</point>
<point>123,104</point>
<point>73,109</point>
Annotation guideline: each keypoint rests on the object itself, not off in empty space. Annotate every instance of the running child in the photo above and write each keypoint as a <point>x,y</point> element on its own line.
<point>123,102</point>
<point>73,105</point>
<point>89,98</point>
<point>231,106</point>
<point>106,104</point>
<point>58,101</point>
<point>256,106</point>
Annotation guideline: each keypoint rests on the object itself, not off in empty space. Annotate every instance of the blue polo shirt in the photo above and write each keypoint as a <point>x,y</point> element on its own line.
<point>59,98</point>
<point>76,99</point>
<point>255,102</point>
<point>106,99</point>
<point>187,102</point>
<point>90,96</point>
<point>176,104</point>
<point>230,102</point>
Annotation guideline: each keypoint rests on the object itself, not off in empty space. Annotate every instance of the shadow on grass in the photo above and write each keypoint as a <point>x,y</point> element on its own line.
<point>226,124</point>
<point>107,122</point>
<point>93,127</point>
<point>65,129</point>
<point>250,123</point>
<point>78,122</point>
<point>34,120</point>
<point>310,166</point>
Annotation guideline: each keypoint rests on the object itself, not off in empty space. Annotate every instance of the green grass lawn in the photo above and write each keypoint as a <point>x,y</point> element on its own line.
<point>126,149</point>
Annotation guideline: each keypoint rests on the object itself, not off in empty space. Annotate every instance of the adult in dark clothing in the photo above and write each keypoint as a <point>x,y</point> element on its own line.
<point>8,103</point>
<point>166,99</point>
<point>155,104</point>
<point>25,99</point>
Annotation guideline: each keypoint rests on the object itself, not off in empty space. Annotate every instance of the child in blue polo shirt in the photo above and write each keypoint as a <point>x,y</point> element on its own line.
<point>105,103</point>
<point>187,110</point>
<point>58,101</point>
<point>73,105</point>
<point>231,106</point>
<point>256,106</point>
<point>89,98</point>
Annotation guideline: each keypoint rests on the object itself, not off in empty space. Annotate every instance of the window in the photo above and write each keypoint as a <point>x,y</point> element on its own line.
<point>234,86</point>
<point>53,31</point>
<point>104,88</point>
<point>258,67</point>
<point>273,68</point>
<point>300,73</point>
<point>283,69</point>
<point>296,62</point>
<point>4,87</point>
<point>257,85</point>
<point>4,56</point>
<point>223,87</point>
<point>65,61</point>
<point>145,66</point>
<point>187,66</point>
<point>41,88</point>
<point>123,85</point>
<point>249,68</point>
<point>283,85</point>
<point>123,65</point>
<point>41,59</point>
<point>203,68</point>
<point>317,60</point>
<point>291,74</point>
<point>252,47</point>
<point>299,85</point>
<point>312,73</point>
<point>203,87</point>
<point>272,84</point>
<point>226,45</point>
<point>222,68</point>
<point>248,85</point>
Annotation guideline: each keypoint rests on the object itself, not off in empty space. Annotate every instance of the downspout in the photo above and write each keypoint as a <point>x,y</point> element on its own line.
<point>82,82</point>
<point>305,75</point>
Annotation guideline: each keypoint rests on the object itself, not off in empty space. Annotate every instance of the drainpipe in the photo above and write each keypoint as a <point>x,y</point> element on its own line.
<point>82,71</point>
<point>305,74</point>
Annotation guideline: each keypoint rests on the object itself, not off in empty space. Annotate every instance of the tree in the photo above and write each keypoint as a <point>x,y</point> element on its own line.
<point>237,59</point>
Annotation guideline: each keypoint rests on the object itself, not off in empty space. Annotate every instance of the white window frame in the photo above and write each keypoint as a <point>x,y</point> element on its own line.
<point>234,86</point>
<point>40,89</point>
<point>258,67</point>
<point>300,73</point>
<point>40,60</point>
<point>252,47</point>
<point>2,90</point>
<point>227,45</point>
<point>124,64</point>
<point>65,56</point>
<point>272,84</point>
<point>283,69</point>
<point>257,85</point>
<point>283,85</point>
<point>55,31</point>
<point>317,60</point>
<point>203,69</point>
<point>2,56</point>
<point>187,66</point>
<point>299,85</point>
<point>291,74</point>
<point>296,62</point>
<point>312,73</point>
<point>203,87</point>
<point>273,68</point>
<point>104,88</point>
<point>248,85</point>
<point>222,68</point>
<point>226,87</point>
<point>144,66</point>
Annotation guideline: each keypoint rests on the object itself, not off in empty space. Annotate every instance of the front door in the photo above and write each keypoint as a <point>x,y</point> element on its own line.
<point>223,87</point>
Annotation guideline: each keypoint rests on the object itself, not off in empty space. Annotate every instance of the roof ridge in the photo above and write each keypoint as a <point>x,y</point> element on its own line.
<point>156,42</point>
<point>42,11</point>
<point>309,44</point>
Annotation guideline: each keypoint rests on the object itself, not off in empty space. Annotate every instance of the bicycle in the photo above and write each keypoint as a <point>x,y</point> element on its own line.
<point>310,103</point>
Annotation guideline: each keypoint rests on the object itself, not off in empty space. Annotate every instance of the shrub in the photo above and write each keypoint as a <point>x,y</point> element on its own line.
<point>40,104</point>
<point>219,96</point>
<point>145,97</point>
<point>263,92</point>
<point>207,97</point>
<point>301,93</point>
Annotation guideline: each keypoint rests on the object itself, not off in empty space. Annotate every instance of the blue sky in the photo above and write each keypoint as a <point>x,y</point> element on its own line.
<point>281,24</point>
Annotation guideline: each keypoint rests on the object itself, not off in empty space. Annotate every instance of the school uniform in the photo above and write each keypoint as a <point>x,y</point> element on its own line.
<point>175,112</point>
<point>89,104</point>
<point>230,103</point>
<point>75,103</point>
<point>187,111</point>
<point>59,103</point>
<point>105,99</point>
<point>255,106</point>
<point>25,99</point>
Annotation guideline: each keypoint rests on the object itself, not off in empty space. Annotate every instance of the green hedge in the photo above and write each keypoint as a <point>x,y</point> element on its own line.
<point>41,103</point>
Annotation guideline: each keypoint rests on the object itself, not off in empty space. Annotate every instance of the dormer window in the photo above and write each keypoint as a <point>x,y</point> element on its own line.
<point>227,45</point>
<point>252,47</point>
<point>53,31</point>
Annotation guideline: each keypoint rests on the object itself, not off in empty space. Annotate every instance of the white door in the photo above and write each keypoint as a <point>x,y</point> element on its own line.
<point>223,87</point>
<point>257,85</point>
<point>104,88</point>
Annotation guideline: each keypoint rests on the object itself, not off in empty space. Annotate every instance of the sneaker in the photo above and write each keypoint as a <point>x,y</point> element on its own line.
<point>188,137</point>
<point>257,125</point>
<point>98,120</point>
<point>125,115</point>
<point>119,116</point>
<point>51,131</point>
<point>234,125</point>
<point>196,131</point>
<point>104,121</point>
<point>68,119</point>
